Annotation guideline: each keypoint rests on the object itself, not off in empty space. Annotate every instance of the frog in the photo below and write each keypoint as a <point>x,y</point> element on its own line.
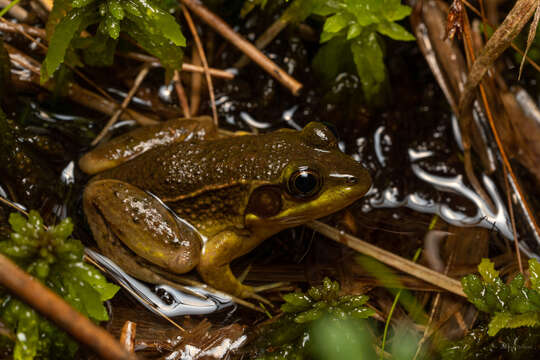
<point>179,196</point>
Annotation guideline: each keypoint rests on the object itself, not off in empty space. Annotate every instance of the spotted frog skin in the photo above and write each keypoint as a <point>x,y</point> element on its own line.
<point>176,196</point>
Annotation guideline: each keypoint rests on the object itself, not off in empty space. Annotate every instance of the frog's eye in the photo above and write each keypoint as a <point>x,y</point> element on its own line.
<point>304,183</point>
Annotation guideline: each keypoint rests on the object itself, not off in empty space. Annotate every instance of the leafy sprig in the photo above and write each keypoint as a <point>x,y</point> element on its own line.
<point>55,259</point>
<point>512,305</point>
<point>289,337</point>
<point>353,29</point>
<point>147,22</point>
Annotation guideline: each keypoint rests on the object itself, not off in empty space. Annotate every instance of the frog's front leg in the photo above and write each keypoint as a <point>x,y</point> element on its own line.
<point>120,212</point>
<point>216,256</point>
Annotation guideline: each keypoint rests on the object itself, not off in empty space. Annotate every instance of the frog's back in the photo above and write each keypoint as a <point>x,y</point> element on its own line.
<point>188,167</point>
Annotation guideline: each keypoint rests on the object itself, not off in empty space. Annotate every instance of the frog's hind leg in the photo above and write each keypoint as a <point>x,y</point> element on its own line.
<point>120,213</point>
<point>135,142</point>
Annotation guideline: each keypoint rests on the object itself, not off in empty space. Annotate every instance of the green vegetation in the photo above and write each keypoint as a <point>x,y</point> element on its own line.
<point>512,305</point>
<point>352,30</point>
<point>55,259</point>
<point>147,22</point>
<point>291,337</point>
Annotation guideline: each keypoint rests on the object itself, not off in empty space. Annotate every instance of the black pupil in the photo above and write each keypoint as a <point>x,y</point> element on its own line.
<point>305,182</point>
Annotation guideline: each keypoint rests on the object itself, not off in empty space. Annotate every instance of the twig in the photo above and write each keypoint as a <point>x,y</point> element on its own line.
<point>76,93</point>
<point>180,92</point>
<point>185,66</point>
<point>499,41</point>
<point>196,83</point>
<point>514,46</point>
<point>138,81</point>
<point>267,36</point>
<point>55,308</point>
<point>389,258</point>
<point>9,26</point>
<point>127,336</point>
<point>202,55</point>
<point>245,46</point>
<point>512,219</point>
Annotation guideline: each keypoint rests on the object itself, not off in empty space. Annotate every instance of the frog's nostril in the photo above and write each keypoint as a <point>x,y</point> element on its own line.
<point>352,180</point>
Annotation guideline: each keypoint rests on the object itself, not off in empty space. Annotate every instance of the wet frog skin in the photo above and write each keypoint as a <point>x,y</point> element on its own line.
<point>199,201</point>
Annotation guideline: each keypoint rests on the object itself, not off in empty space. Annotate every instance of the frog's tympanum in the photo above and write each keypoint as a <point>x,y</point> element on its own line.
<point>179,197</point>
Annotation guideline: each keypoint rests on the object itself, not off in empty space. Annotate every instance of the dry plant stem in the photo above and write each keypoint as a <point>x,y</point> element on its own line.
<point>532,34</point>
<point>196,83</point>
<point>127,336</point>
<point>138,81</point>
<point>185,66</point>
<point>514,46</point>
<point>466,121</point>
<point>512,220</point>
<point>9,26</point>
<point>266,38</point>
<point>389,258</point>
<point>182,99</point>
<point>21,30</point>
<point>202,55</point>
<point>501,39</point>
<point>246,47</point>
<point>55,308</point>
<point>76,93</point>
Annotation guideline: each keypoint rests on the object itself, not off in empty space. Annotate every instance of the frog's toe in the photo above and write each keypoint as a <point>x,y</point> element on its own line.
<point>260,298</point>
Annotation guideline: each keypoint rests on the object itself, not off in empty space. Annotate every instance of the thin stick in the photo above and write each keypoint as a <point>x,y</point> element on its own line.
<point>389,258</point>
<point>138,81</point>
<point>245,46</point>
<point>185,66</point>
<point>180,92</point>
<point>514,46</point>
<point>196,83</point>
<point>202,55</point>
<point>512,220</point>
<point>465,102</point>
<point>262,41</point>
<point>55,308</point>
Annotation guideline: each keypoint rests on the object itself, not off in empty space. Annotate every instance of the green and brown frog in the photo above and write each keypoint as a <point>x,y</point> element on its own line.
<point>179,197</point>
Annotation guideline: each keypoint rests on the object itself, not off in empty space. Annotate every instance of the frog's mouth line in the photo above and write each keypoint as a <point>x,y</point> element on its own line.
<point>298,213</point>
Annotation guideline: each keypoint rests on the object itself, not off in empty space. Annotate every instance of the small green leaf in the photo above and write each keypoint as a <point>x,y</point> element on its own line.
<point>534,269</point>
<point>354,31</point>
<point>394,31</point>
<point>308,316</point>
<point>66,30</point>
<point>502,320</point>
<point>81,3</point>
<point>486,268</point>
<point>27,334</point>
<point>362,313</point>
<point>92,276</point>
<point>335,23</point>
<point>156,20</point>
<point>368,57</point>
